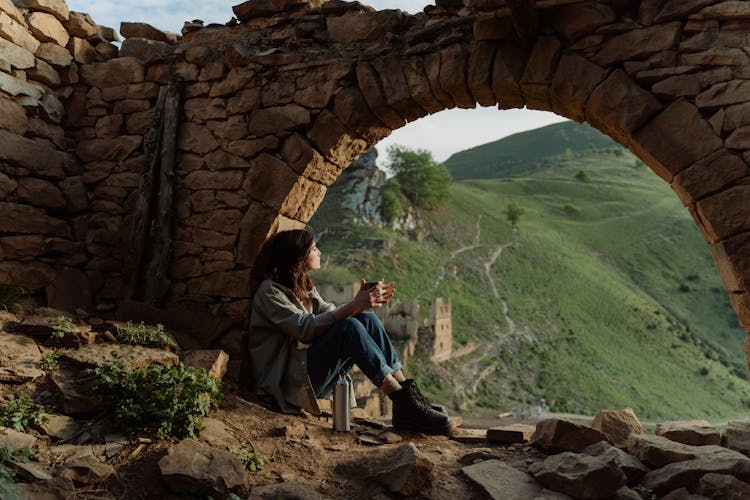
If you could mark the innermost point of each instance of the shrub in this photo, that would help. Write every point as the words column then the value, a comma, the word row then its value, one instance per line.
column 7, row 474
column 49, row 362
column 390, row 199
column 22, row 411
column 158, row 400
column 140, row 334
column 425, row 182
column 704, row 370
column 10, row 295
column 513, row 213
column 583, row 176
column 251, row 460
column 62, row 327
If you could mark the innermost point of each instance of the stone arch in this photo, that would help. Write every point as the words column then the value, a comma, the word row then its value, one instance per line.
column 665, row 79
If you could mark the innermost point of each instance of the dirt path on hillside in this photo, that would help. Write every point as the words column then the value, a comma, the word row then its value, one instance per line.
column 474, row 366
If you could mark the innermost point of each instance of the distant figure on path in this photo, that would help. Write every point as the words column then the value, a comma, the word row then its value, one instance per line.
column 299, row 343
column 523, row 414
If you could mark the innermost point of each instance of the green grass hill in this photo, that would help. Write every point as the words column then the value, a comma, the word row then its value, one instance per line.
column 605, row 295
column 524, row 152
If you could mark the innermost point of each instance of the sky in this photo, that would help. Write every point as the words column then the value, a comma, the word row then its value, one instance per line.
column 443, row 133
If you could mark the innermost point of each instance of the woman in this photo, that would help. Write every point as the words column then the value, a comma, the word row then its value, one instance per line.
column 299, row 343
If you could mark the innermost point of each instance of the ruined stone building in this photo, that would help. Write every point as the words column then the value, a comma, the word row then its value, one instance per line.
column 146, row 178
column 405, row 324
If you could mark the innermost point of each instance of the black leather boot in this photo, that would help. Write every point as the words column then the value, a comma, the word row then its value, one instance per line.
column 411, row 413
column 425, row 399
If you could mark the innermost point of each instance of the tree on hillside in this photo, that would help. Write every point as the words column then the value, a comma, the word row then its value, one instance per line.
column 513, row 213
column 424, row 181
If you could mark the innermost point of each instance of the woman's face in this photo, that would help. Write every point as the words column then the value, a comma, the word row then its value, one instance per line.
column 313, row 258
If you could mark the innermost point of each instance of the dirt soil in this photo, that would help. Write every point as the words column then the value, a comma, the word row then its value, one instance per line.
column 295, row 448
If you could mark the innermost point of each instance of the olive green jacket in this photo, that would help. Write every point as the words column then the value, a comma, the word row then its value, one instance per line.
column 281, row 329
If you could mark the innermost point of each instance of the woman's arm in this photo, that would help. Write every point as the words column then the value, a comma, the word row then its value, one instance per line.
column 298, row 323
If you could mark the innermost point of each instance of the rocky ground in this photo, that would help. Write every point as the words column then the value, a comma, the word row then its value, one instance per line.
column 82, row 453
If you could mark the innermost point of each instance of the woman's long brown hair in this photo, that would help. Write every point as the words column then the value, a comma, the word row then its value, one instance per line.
column 289, row 251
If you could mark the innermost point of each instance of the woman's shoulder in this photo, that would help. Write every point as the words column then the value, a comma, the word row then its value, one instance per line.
column 270, row 287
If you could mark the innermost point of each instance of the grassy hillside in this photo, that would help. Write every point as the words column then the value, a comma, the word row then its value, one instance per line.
column 525, row 151
column 612, row 299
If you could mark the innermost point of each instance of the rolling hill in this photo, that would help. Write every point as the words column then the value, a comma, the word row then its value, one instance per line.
column 525, row 151
column 604, row 296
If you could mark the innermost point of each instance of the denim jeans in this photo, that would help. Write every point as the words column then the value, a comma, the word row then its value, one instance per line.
column 360, row 341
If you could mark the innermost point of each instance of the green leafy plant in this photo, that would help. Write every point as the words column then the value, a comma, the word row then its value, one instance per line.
column 22, row 411
column 63, row 326
column 251, row 460
column 49, row 362
column 513, row 213
column 424, row 181
column 140, row 334
column 7, row 474
column 10, row 295
column 158, row 400
column 645, row 492
column 583, row 176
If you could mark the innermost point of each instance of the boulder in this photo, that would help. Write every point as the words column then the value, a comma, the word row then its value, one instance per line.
column 17, row 440
column 113, row 73
column 57, row 8
column 737, row 437
column 213, row 361
column 631, row 466
column 19, row 359
column 688, row 473
column 400, row 468
column 142, row 30
column 18, row 57
column 556, row 435
column 86, row 470
column 12, row 30
column 13, row 119
column 514, row 433
column 197, row 469
column 636, row 43
column 500, row 481
column 132, row 356
column 145, row 50
column 692, row 432
column 57, row 56
column 262, row 8
column 657, row 451
column 723, row 486
column 50, row 489
column 81, row 25
column 58, row 427
column 46, row 28
column 580, row 476
column 618, row 425
column 75, row 395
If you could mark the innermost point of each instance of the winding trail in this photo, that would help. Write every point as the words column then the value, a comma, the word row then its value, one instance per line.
column 475, row 369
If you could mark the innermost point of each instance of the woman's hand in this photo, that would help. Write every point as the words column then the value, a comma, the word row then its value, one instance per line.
column 374, row 296
column 369, row 296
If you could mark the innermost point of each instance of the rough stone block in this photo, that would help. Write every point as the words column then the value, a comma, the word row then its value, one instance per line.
column 113, row 73
column 574, row 21
column 15, row 32
column 732, row 259
column 580, row 476
column 619, row 106
column 692, row 432
column 55, row 55
column 145, row 50
column 57, row 8
column 510, row 61
column 676, row 138
column 82, row 51
column 718, row 170
column 453, row 66
column 636, row 43
column 13, row 117
column 277, row 119
column 46, row 28
column 395, row 87
column 540, row 67
column 213, row 361
column 81, row 25
column 726, row 214
column 479, row 72
column 516, row 433
column 500, row 481
column 574, row 81
column 26, row 153
column 142, row 30
column 557, row 435
column 618, row 425
column 17, row 56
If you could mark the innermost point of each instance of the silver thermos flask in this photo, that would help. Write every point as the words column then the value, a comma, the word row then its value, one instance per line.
column 341, row 410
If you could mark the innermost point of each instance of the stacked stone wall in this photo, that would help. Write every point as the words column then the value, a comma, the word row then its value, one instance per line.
column 281, row 99
column 44, row 190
